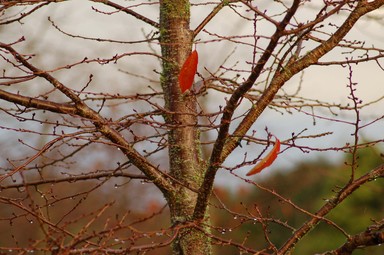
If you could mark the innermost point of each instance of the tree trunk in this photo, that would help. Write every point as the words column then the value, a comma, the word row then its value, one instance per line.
column 186, row 163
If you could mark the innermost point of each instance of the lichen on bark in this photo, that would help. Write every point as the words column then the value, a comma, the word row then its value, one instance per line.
column 185, row 161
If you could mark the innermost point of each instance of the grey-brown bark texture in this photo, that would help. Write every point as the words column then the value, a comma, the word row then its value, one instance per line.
column 187, row 185
column 186, row 164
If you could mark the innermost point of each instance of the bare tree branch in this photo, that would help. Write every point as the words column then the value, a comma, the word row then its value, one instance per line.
column 30, row 102
column 293, row 68
column 103, row 151
column 128, row 11
column 346, row 191
column 216, row 156
column 100, row 123
column 211, row 15
column 374, row 235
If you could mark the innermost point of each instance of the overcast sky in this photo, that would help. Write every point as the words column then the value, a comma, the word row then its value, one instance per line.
column 322, row 83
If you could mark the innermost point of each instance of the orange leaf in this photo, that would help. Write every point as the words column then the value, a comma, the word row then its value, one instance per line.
column 268, row 160
column 188, row 71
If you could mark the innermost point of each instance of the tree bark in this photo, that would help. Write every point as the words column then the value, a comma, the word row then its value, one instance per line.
column 185, row 160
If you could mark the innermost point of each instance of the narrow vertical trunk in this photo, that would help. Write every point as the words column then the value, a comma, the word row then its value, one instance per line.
column 186, row 164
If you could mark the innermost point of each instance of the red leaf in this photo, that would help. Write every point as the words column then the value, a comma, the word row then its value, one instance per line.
column 188, row 71
column 268, row 160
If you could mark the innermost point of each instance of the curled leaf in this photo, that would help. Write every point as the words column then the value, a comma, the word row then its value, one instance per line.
column 268, row 160
column 188, row 71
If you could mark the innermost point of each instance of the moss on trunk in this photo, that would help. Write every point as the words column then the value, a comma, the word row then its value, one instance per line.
column 186, row 164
